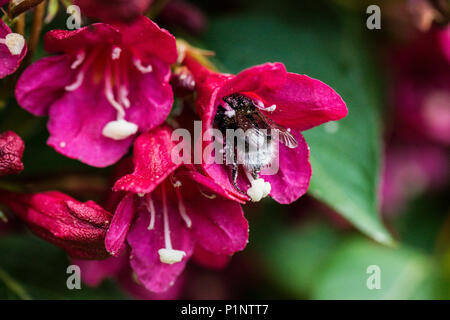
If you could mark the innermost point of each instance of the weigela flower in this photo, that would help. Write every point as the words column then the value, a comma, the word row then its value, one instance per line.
column 12, row 50
column 79, row 228
column 265, row 97
column 421, row 90
column 113, row 10
column 167, row 210
column 410, row 170
column 106, row 83
column 11, row 151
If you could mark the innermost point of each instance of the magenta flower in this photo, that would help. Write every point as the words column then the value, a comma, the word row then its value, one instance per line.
column 11, row 152
column 167, row 210
column 106, row 84
column 113, row 10
column 409, row 171
column 274, row 98
column 421, row 91
column 12, row 50
column 79, row 228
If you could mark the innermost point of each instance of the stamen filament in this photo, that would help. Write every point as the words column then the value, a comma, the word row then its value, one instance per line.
column 182, row 208
column 110, row 95
column 79, row 60
column 78, row 82
column 151, row 209
column 167, row 240
column 144, row 69
column 168, row 254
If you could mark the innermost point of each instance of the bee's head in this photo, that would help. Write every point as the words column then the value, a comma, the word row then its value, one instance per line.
column 237, row 101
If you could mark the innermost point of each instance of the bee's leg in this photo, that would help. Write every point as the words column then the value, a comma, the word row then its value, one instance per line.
column 234, row 176
column 255, row 173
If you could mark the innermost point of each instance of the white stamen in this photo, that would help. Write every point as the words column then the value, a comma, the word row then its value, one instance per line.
column 119, row 129
column 177, row 184
column 115, row 54
column 15, row 43
column 271, row 108
column 168, row 254
column 123, row 97
column 151, row 208
column 182, row 208
column 140, row 67
column 261, row 106
column 230, row 113
column 259, row 188
column 77, row 83
column 110, row 97
column 79, row 60
column 212, row 196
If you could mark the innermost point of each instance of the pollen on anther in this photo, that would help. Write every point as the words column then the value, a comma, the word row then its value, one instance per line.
column 115, row 54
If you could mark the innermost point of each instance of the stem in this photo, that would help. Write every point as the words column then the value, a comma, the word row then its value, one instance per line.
column 20, row 24
column 14, row 286
column 35, row 33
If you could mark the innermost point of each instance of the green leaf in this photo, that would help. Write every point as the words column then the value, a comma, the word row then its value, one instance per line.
column 404, row 273
column 291, row 256
column 344, row 155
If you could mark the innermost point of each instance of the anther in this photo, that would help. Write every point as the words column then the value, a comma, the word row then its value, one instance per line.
column 168, row 255
column 259, row 188
column 15, row 43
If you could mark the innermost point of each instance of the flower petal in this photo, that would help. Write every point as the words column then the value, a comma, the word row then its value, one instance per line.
column 8, row 62
column 94, row 35
column 210, row 260
column 146, row 39
column 145, row 261
column 294, row 174
column 303, row 103
column 218, row 224
column 152, row 161
column 151, row 96
column 76, row 123
column 43, row 82
column 120, row 224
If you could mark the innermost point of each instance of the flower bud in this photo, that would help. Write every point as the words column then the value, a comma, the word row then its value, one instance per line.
column 79, row 228
column 11, row 151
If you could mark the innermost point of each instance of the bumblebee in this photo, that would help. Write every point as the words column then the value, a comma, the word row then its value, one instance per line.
column 255, row 149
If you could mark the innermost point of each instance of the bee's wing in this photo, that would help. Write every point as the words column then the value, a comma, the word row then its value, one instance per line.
column 284, row 136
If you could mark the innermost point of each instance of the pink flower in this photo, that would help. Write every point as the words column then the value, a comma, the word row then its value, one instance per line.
column 106, row 84
column 79, row 228
column 167, row 210
column 409, row 171
column 12, row 50
column 113, row 10
column 421, row 89
column 287, row 102
column 11, row 151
